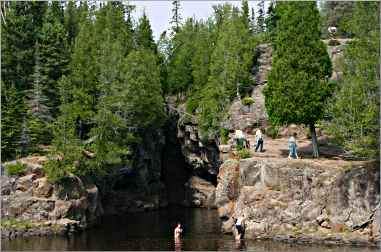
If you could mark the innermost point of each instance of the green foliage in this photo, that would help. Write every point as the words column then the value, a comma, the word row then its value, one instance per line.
column 16, row 169
column 247, row 101
column 297, row 89
column 244, row 153
column 353, row 113
column 272, row 131
column 261, row 17
column 224, row 134
column 144, row 38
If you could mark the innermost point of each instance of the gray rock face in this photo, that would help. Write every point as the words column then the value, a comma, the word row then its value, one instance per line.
column 203, row 157
column 248, row 117
column 301, row 198
column 200, row 193
column 33, row 199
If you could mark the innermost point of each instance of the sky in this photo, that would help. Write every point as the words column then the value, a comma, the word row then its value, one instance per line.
column 159, row 11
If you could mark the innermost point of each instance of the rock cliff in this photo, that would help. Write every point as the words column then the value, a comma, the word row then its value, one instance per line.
column 31, row 205
column 326, row 201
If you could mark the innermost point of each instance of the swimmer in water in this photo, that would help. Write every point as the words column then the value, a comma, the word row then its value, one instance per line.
column 178, row 231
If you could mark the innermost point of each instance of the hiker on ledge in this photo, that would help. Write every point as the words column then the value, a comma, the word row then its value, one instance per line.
column 292, row 146
column 258, row 140
column 242, row 142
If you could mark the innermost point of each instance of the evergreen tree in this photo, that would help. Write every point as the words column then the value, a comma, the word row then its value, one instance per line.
column 245, row 12
column 71, row 21
column 144, row 38
column 230, row 66
column 297, row 89
column 353, row 113
column 39, row 111
column 176, row 16
column 180, row 61
column 271, row 20
column 253, row 22
column 54, row 55
column 19, row 34
column 13, row 110
column 261, row 16
column 141, row 93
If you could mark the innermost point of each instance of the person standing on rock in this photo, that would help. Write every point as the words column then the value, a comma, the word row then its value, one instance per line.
column 292, row 146
column 240, row 138
column 258, row 140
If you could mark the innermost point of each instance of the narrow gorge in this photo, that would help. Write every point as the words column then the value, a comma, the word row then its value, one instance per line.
column 325, row 201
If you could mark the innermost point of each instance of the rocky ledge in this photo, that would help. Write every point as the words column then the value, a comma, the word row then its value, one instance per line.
column 31, row 205
column 302, row 200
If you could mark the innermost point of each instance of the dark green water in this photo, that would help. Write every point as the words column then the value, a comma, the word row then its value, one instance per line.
column 154, row 231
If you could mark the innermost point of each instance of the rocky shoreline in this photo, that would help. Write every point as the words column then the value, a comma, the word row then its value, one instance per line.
column 301, row 201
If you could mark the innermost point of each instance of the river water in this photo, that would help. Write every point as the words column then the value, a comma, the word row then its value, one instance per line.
column 154, row 231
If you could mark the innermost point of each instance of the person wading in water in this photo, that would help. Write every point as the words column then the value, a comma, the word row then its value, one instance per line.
column 178, row 232
column 239, row 225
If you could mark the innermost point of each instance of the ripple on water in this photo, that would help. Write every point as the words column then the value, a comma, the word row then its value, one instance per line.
column 154, row 231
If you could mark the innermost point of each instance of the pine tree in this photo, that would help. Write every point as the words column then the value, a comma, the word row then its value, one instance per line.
column 141, row 93
column 54, row 54
column 180, row 60
column 271, row 20
column 245, row 12
column 13, row 111
column 176, row 16
column 253, row 22
column 39, row 111
column 230, row 66
column 144, row 37
column 19, row 34
column 71, row 22
column 261, row 16
column 297, row 89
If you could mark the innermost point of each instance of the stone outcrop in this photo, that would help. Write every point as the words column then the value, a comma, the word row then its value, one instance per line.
column 301, row 200
column 47, row 208
column 247, row 117
column 200, row 192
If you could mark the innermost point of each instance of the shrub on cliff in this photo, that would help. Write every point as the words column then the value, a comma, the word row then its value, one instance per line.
column 247, row 101
column 16, row 169
column 244, row 153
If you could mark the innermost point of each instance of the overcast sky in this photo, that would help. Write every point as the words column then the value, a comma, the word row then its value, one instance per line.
column 159, row 11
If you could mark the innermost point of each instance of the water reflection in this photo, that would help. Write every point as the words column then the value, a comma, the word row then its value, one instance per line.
column 178, row 244
column 154, row 231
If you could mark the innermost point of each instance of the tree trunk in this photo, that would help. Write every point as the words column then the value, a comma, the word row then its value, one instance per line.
column 315, row 147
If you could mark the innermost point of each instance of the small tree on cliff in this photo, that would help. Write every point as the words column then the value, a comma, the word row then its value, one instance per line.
column 297, row 86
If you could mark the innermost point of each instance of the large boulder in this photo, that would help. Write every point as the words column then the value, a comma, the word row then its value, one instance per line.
column 42, row 188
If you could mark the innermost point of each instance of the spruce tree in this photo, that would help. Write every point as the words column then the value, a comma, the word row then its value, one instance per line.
column 261, row 16
column 297, row 89
column 143, row 34
column 54, row 54
column 245, row 12
column 176, row 16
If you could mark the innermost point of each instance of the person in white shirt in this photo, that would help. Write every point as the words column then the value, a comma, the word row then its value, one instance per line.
column 240, row 138
column 258, row 140
column 239, row 225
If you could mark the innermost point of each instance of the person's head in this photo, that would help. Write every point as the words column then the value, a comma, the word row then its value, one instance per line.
column 294, row 134
column 179, row 224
